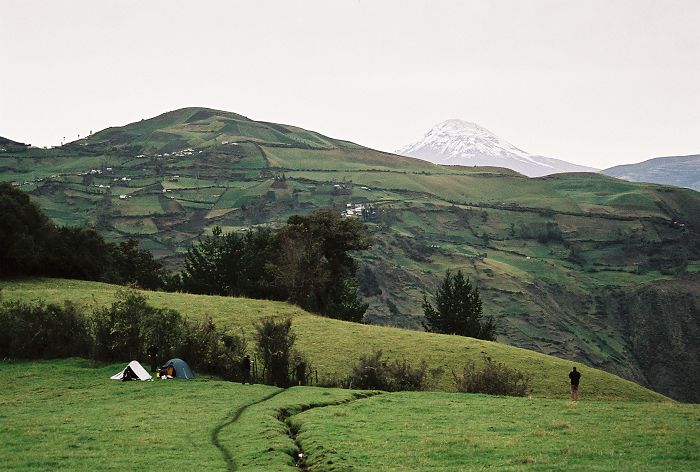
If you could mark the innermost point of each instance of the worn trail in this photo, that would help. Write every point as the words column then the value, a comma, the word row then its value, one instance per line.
column 230, row 461
column 285, row 415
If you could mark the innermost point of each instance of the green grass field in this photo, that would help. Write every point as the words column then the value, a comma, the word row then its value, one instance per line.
column 333, row 345
column 68, row 415
column 454, row 432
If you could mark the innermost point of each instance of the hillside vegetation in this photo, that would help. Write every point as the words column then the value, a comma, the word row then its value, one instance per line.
column 552, row 256
column 333, row 346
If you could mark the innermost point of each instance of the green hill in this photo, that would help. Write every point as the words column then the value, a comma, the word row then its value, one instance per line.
column 68, row 415
column 333, row 345
column 582, row 266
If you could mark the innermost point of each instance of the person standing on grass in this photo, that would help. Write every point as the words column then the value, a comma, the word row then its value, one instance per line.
column 575, row 377
column 245, row 369
column 153, row 356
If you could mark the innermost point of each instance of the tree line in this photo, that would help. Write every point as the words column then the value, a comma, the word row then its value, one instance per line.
column 305, row 261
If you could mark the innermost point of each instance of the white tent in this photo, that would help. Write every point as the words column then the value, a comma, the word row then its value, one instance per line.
column 136, row 368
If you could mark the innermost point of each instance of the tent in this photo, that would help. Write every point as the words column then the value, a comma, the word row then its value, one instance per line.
column 182, row 369
column 133, row 371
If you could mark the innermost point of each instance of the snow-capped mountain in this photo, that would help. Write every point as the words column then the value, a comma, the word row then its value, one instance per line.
column 458, row 142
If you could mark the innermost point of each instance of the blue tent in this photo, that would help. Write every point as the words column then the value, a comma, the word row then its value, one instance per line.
column 182, row 370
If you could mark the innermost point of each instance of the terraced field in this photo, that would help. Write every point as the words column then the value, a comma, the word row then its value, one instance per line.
column 558, row 259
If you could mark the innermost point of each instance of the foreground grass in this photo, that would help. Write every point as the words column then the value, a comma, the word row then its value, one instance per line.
column 333, row 345
column 454, row 432
column 69, row 415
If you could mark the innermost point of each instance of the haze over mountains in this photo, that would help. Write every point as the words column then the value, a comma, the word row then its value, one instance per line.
column 681, row 171
column 459, row 142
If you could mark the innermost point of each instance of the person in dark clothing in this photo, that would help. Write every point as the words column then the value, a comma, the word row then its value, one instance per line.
column 153, row 356
column 245, row 369
column 575, row 377
column 300, row 371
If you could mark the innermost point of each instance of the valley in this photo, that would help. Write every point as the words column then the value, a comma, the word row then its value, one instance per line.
column 580, row 266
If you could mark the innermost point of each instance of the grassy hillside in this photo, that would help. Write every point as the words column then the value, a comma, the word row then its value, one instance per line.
column 333, row 346
column 453, row 432
column 552, row 256
column 68, row 415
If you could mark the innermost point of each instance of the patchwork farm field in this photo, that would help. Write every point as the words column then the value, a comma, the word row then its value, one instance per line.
column 559, row 260
column 68, row 415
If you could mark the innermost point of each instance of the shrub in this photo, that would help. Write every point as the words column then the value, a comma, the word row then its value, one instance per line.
column 373, row 372
column 301, row 369
column 40, row 331
column 494, row 378
column 211, row 350
column 274, row 341
column 130, row 325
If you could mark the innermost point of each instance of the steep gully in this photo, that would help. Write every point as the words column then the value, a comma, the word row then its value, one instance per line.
column 284, row 415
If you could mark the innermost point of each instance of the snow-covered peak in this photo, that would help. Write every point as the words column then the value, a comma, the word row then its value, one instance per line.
column 457, row 127
column 460, row 142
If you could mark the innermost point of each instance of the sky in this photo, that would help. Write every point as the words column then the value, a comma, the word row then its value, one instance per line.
column 596, row 82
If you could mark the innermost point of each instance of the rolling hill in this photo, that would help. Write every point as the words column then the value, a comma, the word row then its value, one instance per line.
column 681, row 171
column 581, row 266
column 333, row 345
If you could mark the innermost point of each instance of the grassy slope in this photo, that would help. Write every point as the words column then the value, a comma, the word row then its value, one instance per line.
column 69, row 415
column 452, row 432
column 430, row 219
column 333, row 345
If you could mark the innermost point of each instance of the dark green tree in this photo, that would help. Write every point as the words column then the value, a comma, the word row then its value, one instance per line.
column 23, row 232
column 274, row 340
column 133, row 265
column 326, row 272
column 458, row 310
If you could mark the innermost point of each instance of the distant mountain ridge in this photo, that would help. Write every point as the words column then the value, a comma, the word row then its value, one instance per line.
column 459, row 142
column 681, row 171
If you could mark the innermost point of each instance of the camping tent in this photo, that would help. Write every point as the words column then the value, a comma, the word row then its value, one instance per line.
column 133, row 368
column 182, row 370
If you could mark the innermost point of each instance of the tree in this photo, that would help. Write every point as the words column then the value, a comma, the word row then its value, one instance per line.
column 274, row 341
column 23, row 232
column 133, row 265
column 458, row 310
column 329, row 284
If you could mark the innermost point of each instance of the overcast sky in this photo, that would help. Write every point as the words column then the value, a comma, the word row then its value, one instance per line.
column 592, row 82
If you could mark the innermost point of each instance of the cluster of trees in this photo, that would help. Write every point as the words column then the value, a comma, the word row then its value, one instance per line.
column 30, row 244
column 306, row 261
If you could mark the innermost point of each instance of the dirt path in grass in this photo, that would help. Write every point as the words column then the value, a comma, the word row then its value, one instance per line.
column 285, row 414
column 230, row 462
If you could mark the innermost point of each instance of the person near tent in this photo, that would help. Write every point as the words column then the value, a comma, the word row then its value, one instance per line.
column 575, row 377
column 300, row 371
column 153, row 356
column 245, row 369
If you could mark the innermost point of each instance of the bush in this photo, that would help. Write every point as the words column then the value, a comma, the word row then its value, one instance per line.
column 211, row 350
column 39, row 331
column 493, row 378
column 129, row 326
column 374, row 373
column 274, row 341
